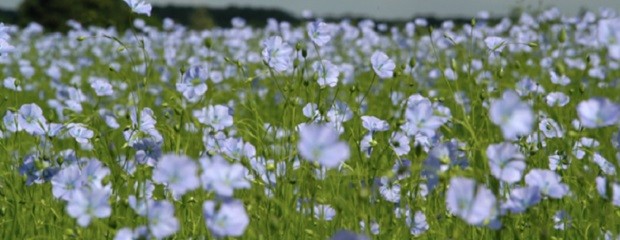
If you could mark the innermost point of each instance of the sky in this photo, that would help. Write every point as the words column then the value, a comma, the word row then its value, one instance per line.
column 390, row 9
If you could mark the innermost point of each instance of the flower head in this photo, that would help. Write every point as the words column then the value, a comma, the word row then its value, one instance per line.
column 474, row 204
column 139, row 6
column 506, row 161
column 382, row 64
column 513, row 116
column 598, row 112
column 230, row 219
column 277, row 53
column 318, row 33
column 179, row 173
column 319, row 143
column 548, row 183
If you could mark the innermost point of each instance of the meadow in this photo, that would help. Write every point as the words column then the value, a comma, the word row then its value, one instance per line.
column 330, row 130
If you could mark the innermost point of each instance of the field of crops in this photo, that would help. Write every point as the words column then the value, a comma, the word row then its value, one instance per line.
column 330, row 130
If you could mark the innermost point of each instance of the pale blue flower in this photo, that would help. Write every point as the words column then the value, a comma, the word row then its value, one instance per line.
column 550, row 128
column 417, row 223
column 218, row 117
column 548, row 183
column 327, row 73
column 79, row 132
column 367, row 144
column 374, row 227
column 277, row 54
column 382, row 64
column 562, row 220
column 222, row 177
column 30, row 118
column 390, row 191
column 605, row 166
column 12, row 84
column 421, row 119
column 193, row 83
column 10, row 122
column 347, row 235
column 178, row 173
column 319, row 143
column 474, row 204
column 94, row 172
column 101, row 86
column 237, row 149
column 598, row 112
column 89, row 203
column 562, row 80
column 507, row 163
column 324, row 212
column 161, row 220
column 141, row 232
column 148, row 151
column 514, row 117
column 230, row 219
column 139, row 6
column 374, row 124
column 400, row 143
column 522, row 198
column 495, row 44
column 67, row 182
column 318, row 33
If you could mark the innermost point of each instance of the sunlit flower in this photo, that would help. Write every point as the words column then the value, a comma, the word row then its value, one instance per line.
column 382, row 64
column 139, row 6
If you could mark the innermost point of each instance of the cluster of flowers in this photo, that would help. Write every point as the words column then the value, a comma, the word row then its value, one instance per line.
column 228, row 162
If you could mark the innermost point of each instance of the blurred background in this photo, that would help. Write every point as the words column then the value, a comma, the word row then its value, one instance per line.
column 199, row 14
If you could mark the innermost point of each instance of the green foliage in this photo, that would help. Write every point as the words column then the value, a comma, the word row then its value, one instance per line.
column 54, row 14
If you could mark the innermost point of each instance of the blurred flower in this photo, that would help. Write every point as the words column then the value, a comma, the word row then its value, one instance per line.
column 495, row 44
column 222, row 177
column 598, row 112
column 89, row 203
column 67, row 182
column 374, row 124
column 474, row 204
column 547, row 182
column 178, row 173
column 513, row 116
column 400, row 143
column 217, row 117
column 347, row 235
column 161, row 220
column 79, row 132
column 139, row 6
column 327, row 73
column 319, row 143
column 277, row 54
column 562, row 220
column 417, row 223
column 318, row 32
column 421, row 119
column 230, row 219
column 324, row 212
column 522, row 198
column 193, row 83
column 507, row 163
column 382, row 64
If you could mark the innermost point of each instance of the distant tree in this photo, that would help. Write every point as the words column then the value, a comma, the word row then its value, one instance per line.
column 54, row 14
column 201, row 19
